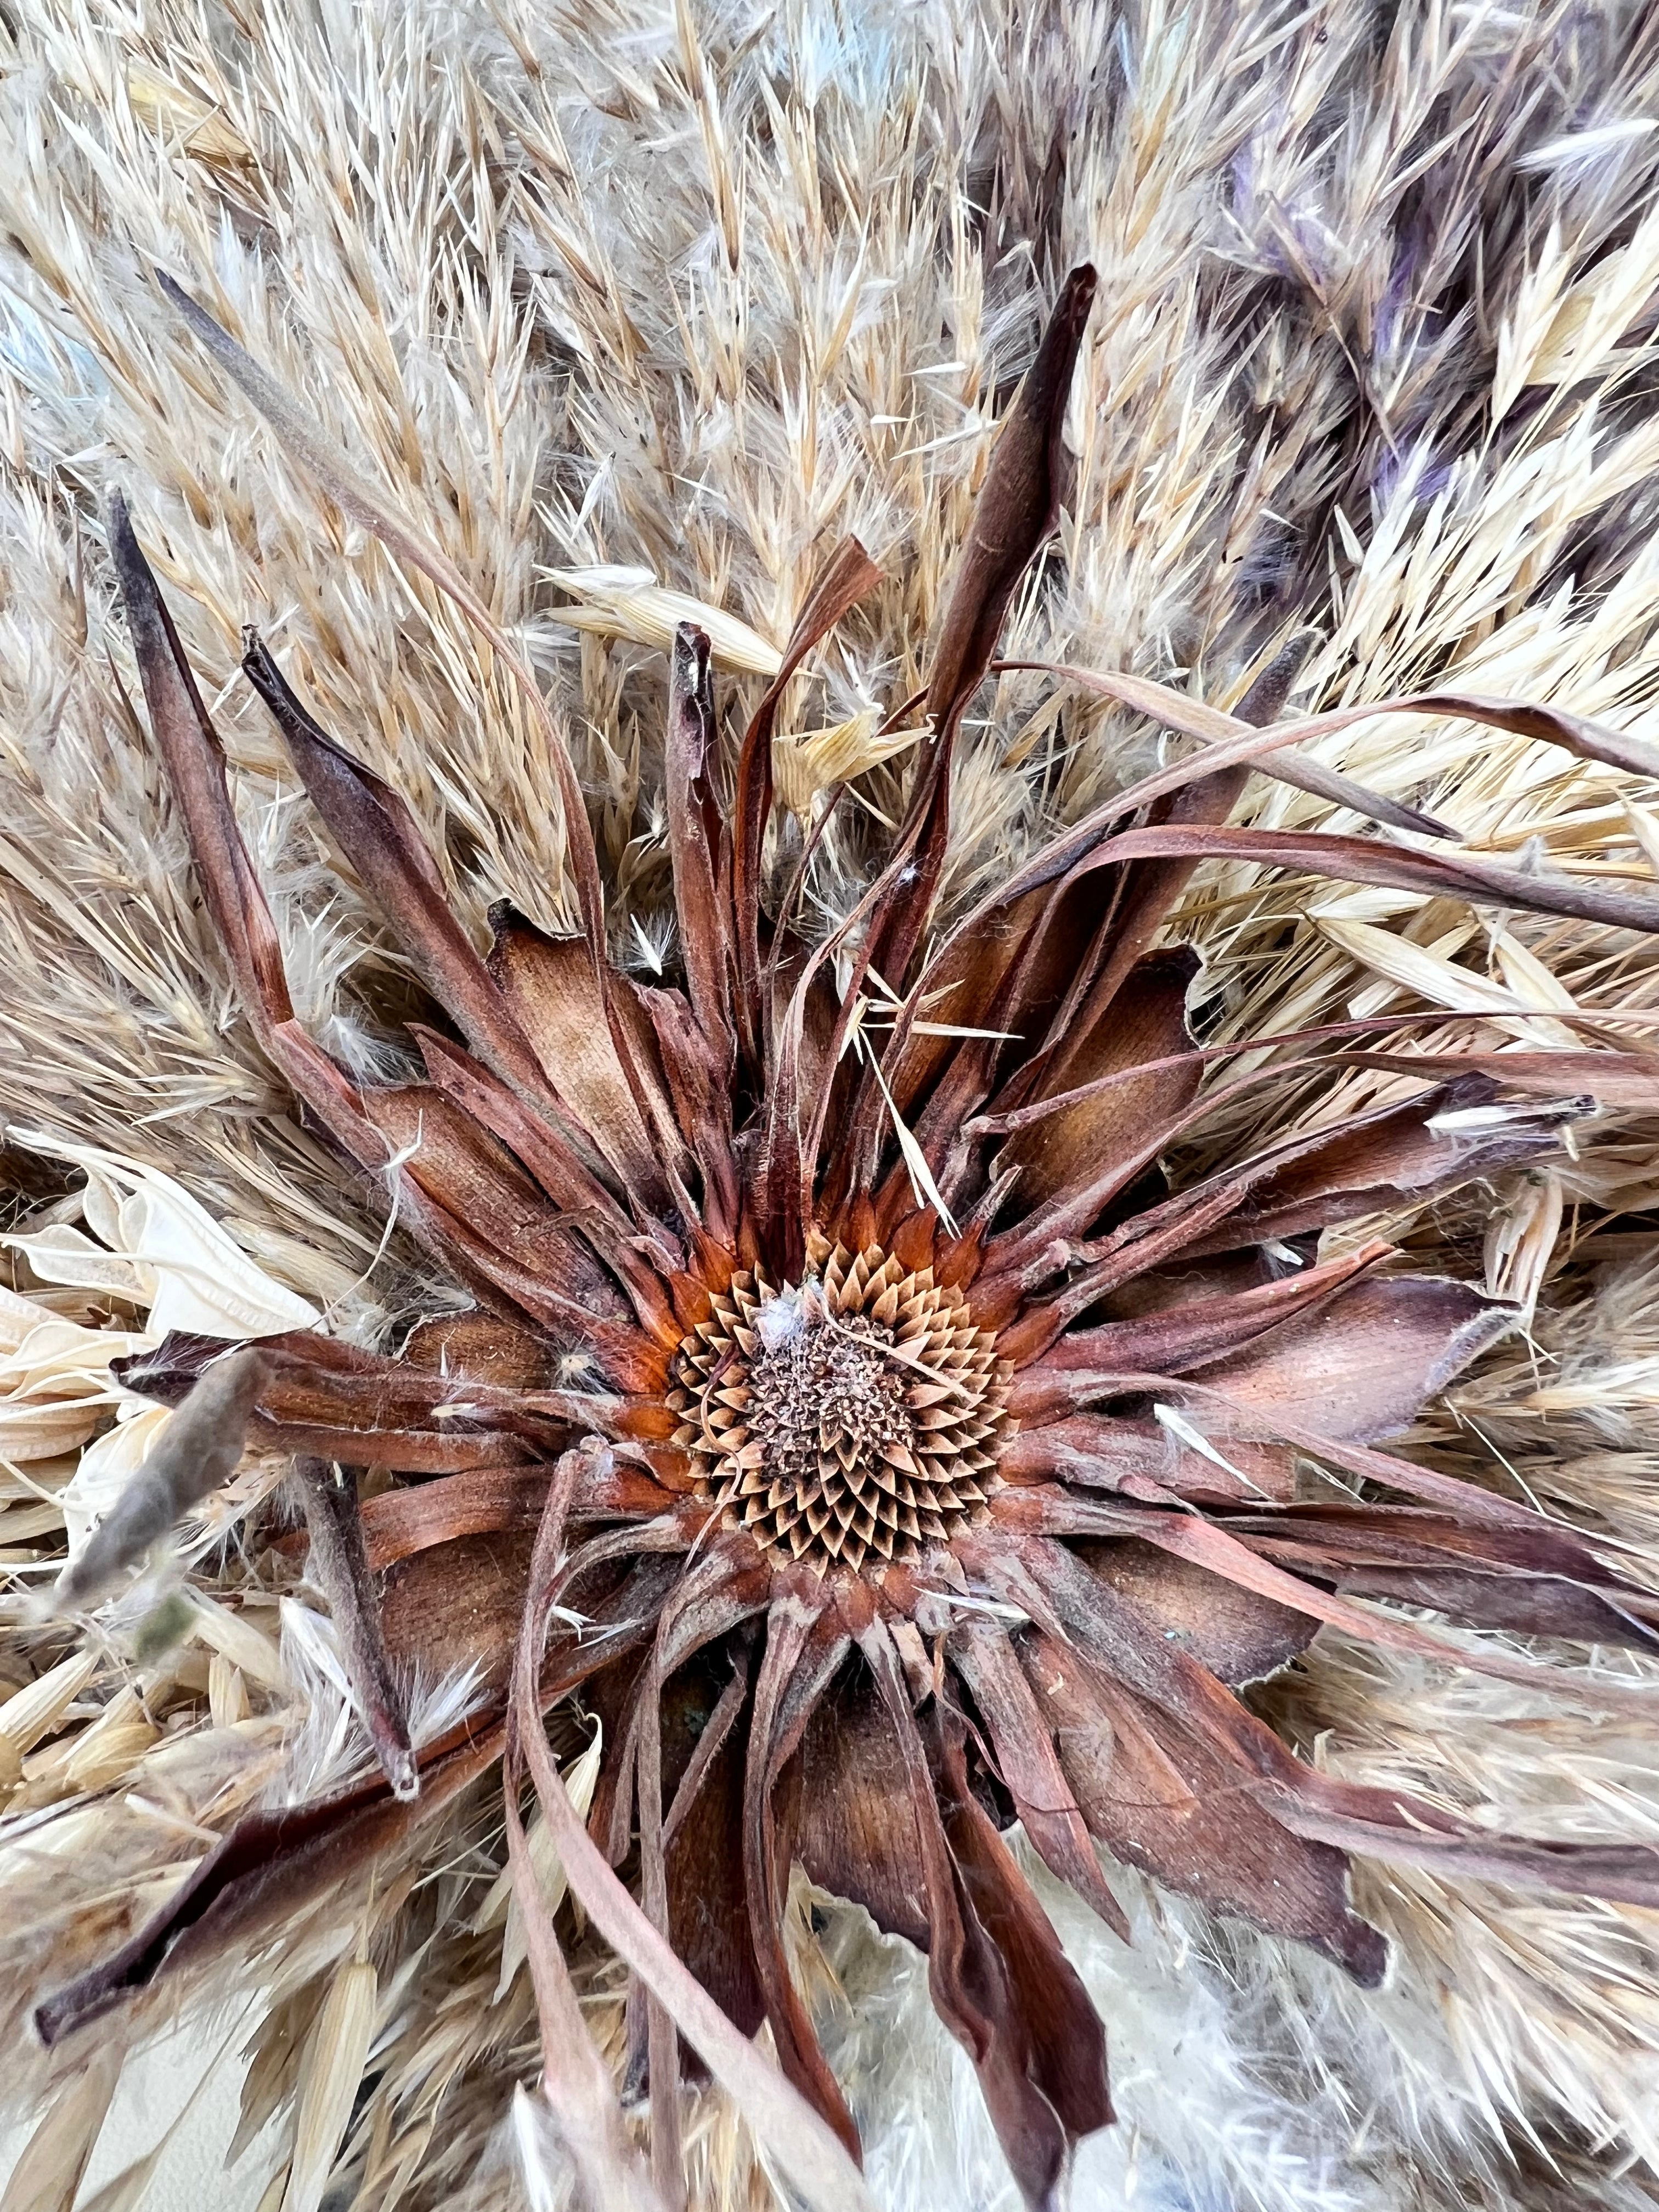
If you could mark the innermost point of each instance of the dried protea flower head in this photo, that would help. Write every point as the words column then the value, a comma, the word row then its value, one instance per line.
column 906, row 1457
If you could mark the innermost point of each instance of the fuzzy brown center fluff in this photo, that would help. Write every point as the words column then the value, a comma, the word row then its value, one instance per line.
column 854, row 1417
column 951, row 1464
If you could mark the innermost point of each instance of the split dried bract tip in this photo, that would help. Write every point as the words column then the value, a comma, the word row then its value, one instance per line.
column 339, row 1559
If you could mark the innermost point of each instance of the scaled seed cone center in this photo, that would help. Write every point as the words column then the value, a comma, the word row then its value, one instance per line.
column 855, row 1416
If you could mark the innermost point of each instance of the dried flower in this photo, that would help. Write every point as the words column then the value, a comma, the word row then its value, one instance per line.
column 944, row 1470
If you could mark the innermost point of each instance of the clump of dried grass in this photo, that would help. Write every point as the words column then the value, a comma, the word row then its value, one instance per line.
column 635, row 308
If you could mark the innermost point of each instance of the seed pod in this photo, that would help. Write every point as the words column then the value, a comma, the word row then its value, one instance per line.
column 196, row 1452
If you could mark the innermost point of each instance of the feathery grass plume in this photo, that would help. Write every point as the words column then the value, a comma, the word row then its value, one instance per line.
column 910, row 1368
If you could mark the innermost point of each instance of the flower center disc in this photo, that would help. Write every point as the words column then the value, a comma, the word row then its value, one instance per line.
column 857, row 1414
